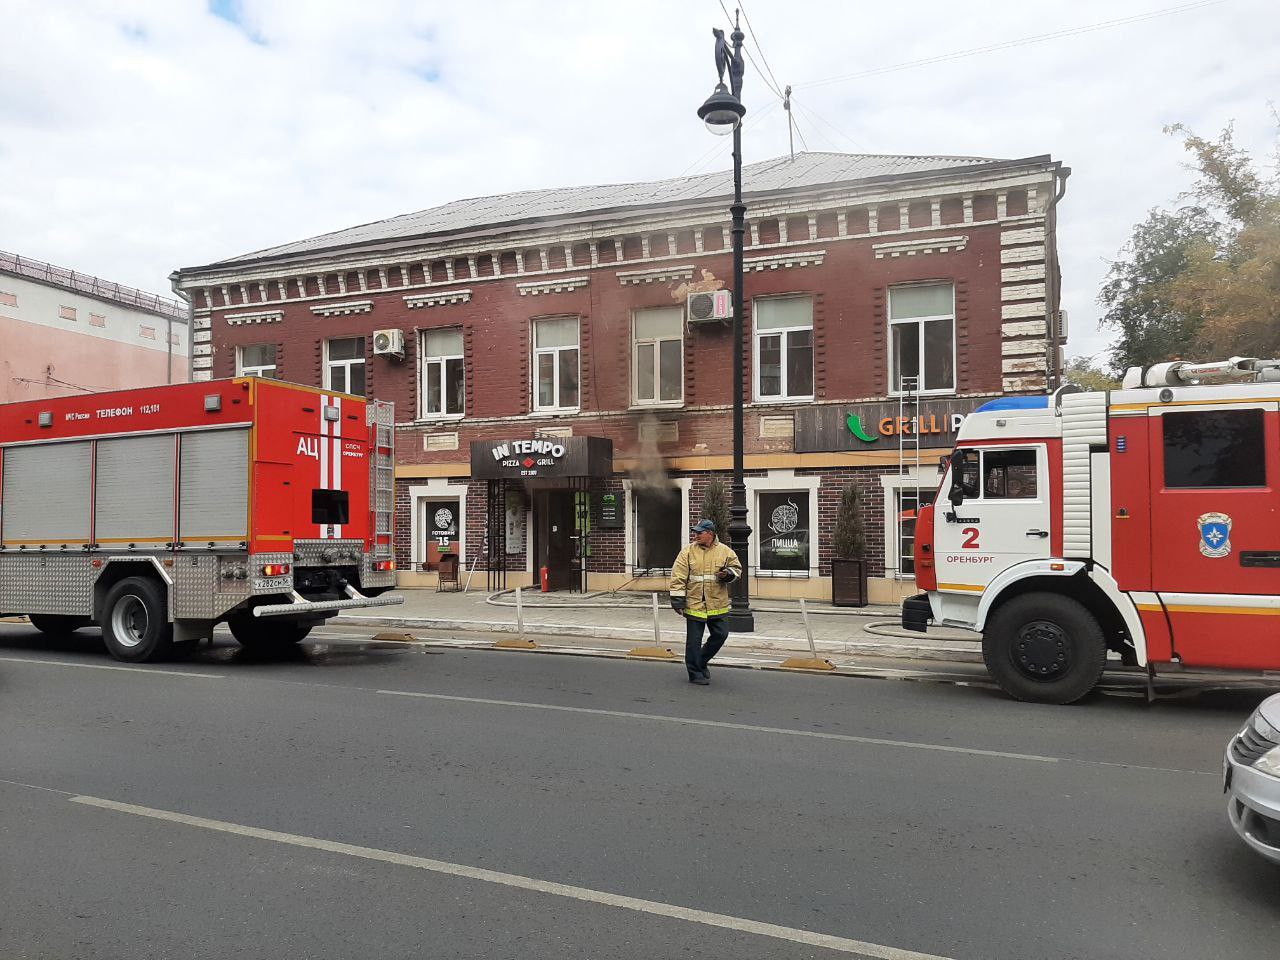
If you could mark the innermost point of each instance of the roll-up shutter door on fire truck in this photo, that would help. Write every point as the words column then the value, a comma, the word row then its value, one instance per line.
column 134, row 481
column 46, row 494
column 214, row 497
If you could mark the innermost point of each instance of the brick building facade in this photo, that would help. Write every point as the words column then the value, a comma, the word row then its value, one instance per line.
column 565, row 313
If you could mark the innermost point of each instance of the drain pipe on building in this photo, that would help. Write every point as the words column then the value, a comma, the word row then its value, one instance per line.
column 1053, row 293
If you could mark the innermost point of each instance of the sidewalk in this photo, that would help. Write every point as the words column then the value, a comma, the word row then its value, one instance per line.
column 865, row 631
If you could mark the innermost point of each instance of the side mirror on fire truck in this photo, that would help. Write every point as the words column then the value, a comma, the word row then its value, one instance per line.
column 959, row 461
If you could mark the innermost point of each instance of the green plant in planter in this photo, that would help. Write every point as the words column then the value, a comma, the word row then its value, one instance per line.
column 715, row 507
column 849, row 540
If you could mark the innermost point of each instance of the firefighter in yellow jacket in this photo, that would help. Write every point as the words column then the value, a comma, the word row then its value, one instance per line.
column 700, row 581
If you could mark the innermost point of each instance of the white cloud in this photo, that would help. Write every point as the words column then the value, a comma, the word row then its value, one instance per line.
column 141, row 135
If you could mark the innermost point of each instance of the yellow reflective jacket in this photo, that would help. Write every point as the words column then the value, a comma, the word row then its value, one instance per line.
column 694, row 578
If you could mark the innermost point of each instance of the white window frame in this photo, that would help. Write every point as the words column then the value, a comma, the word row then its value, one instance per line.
column 555, row 381
column 329, row 366
column 920, row 322
column 631, row 538
column 757, row 334
column 783, row 481
column 893, row 486
column 656, row 343
column 425, row 361
column 436, row 488
column 257, row 370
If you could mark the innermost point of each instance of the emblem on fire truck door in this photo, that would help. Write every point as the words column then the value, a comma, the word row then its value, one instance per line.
column 1215, row 534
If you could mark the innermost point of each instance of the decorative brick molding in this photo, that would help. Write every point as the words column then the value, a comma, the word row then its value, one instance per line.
column 416, row 300
column 535, row 287
column 347, row 309
column 261, row 316
column 911, row 248
column 657, row 275
column 1012, row 311
column 800, row 258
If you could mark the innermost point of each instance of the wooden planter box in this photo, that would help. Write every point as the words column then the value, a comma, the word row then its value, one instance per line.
column 849, row 583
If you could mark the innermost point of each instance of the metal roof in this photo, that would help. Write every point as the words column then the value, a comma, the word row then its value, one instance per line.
column 92, row 286
column 767, row 176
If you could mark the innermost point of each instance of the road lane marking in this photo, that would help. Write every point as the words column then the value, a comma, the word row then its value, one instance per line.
column 726, row 725
column 150, row 671
column 857, row 948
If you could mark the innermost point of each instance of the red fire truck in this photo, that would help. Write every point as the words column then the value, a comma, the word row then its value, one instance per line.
column 161, row 512
column 1144, row 521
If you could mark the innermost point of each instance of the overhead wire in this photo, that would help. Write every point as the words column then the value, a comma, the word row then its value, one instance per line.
column 1021, row 41
column 727, row 142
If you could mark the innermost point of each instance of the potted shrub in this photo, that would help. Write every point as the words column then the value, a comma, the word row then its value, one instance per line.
column 715, row 507
column 848, row 550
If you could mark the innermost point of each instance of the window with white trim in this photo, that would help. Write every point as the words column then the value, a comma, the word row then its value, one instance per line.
column 257, row 360
column 657, row 351
column 443, row 376
column 344, row 365
column 922, row 337
column 555, row 363
column 784, row 348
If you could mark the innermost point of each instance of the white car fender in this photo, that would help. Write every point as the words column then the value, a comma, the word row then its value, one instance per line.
column 1047, row 567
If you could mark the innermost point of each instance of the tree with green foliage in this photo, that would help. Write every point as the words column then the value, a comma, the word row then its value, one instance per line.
column 715, row 507
column 1084, row 373
column 1203, row 280
column 848, row 539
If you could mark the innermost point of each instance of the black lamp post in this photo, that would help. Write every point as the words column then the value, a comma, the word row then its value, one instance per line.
column 723, row 113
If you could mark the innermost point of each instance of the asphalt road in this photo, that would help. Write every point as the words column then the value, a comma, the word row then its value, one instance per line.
column 360, row 801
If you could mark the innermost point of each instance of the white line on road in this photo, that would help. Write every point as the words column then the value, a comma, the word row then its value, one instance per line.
column 856, row 948
column 724, row 724
column 151, row 671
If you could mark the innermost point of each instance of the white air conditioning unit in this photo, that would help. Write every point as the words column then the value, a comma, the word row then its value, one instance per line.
column 706, row 307
column 388, row 343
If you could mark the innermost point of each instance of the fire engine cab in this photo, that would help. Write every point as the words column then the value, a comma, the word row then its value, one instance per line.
column 1144, row 521
column 158, row 513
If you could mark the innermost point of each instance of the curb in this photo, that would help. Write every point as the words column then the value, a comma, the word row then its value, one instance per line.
column 953, row 651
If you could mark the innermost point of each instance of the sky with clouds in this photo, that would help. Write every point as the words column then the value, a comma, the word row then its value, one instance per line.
column 137, row 136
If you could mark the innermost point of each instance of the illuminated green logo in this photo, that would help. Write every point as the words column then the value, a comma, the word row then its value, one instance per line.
column 854, row 422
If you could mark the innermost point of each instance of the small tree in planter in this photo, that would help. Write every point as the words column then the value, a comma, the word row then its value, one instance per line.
column 848, row 549
column 715, row 507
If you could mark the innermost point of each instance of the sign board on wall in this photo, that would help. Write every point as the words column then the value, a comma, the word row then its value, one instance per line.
column 871, row 426
column 610, row 513
column 541, row 457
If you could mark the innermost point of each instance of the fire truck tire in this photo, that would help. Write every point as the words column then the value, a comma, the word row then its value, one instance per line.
column 135, row 621
column 258, row 634
column 57, row 625
column 1044, row 648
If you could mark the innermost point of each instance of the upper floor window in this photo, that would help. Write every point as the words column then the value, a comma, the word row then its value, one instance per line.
column 443, row 378
column 555, row 363
column 657, row 351
column 784, row 348
column 257, row 360
column 922, row 327
column 344, row 365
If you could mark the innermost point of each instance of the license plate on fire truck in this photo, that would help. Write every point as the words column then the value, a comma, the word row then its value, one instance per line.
column 272, row 583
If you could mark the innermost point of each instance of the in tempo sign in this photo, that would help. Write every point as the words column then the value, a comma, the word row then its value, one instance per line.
column 538, row 457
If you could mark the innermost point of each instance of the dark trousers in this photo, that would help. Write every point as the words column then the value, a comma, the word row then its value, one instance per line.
column 696, row 655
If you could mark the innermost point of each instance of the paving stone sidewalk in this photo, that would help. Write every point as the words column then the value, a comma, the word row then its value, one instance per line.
column 867, row 631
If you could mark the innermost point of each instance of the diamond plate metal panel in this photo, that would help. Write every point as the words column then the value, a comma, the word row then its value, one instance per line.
column 48, row 583
column 195, row 588
column 326, row 553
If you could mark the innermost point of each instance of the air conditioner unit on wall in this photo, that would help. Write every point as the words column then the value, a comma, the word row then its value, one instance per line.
column 706, row 307
column 388, row 343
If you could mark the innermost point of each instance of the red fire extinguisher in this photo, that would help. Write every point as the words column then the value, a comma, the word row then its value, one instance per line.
column 546, row 587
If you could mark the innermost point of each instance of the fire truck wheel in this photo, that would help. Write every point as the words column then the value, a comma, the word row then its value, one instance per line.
column 135, row 621
column 258, row 634
column 1044, row 648
column 57, row 625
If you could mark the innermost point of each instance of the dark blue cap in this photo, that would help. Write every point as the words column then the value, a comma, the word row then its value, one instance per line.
column 703, row 525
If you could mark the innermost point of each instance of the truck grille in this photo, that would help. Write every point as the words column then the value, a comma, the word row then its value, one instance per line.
column 1249, row 745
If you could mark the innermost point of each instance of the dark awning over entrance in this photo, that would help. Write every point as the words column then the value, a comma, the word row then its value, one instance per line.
column 541, row 457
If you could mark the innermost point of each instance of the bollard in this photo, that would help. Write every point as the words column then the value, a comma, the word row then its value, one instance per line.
column 520, row 641
column 657, row 651
column 813, row 662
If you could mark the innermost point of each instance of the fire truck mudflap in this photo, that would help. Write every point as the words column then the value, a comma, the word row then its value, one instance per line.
column 161, row 512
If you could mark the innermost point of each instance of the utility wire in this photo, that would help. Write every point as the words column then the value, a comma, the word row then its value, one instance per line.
column 813, row 115
column 768, row 82
column 1022, row 41
column 759, row 49
column 727, row 142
